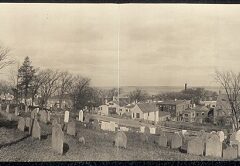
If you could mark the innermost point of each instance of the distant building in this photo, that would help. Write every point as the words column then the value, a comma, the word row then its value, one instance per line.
column 209, row 104
column 149, row 112
column 55, row 102
column 188, row 115
column 201, row 113
column 174, row 107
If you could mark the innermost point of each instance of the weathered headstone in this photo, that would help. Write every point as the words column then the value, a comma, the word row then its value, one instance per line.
column 57, row 139
column 95, row 125
column 231, row 152
column 221, row 135
column 43, row 116
column 162, row 141
column 144, row 138
column 112, row 126
column 147, row 130
column 237, row 136
column 7, row 109
column 0, row 107
column 71, row 128
column 16, row 111
column 80, row 117
column 176, row 141
column 28, row 122
column 66, row 116
column 48, row 116
column 142, row 129
column 26, row 108
column 21, row 124
column 55, row 121
column 152, row 130
column 34, row 114
column 214, row 146
column 120, row 140
column 195, row 146
column 82, row 140
column 36, row 130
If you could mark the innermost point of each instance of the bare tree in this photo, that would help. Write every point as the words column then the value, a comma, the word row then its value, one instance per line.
column 4, row 57
column 49, row 85
column 230, row 81
column 138, row 95
column 65, row 84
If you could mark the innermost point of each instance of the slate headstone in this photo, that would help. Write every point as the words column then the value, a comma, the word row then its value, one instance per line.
column 57, row 139
column 36, row 130
column 195, row 146
column 120, row 140
column 214, row 146
column 176, row 141
column 71, row 128
column 21, row 124
column 28, row 122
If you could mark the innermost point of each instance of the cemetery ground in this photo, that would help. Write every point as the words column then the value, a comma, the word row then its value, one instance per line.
column 18, row 146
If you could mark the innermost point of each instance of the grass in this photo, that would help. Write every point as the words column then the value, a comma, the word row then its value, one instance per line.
column 17, row 146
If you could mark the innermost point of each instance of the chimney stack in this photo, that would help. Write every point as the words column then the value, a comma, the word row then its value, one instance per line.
column 185, row 86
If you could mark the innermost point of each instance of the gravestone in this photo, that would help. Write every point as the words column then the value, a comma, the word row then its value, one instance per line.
column 82, row 140
column 176, row 141
column 195, row 146
column 221, row 135
column 230, row 153
column 112, row 126
column 214, row 146
column 16, row 111
column 66, row 116
column 55, row 121
column 43, row 116
column 144, row 137
column 80, row 116
column 237, row 136
column 28, row 122
column 34, row 114
column 57, row 139
column 21, row 124
column 147, row 130
column 48, row 116
column 95, row 125
column 26, row 108
column 142, row 129
column 7, row 109
column 152, row 130
column 36, row 130
column 162, row 141
column 120, row 140
column 0, row 107
column 71, row 128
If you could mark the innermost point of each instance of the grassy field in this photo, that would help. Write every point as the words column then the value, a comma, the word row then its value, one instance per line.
column 18, row 146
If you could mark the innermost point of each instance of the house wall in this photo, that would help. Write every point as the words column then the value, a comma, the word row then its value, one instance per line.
column 150, row 116
column 136, row 110
column 103, row 110
column 164, row 118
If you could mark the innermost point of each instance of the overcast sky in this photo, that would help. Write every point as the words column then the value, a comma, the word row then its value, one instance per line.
column 158, row 44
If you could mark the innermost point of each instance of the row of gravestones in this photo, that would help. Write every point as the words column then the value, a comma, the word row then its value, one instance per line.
column 7, row 109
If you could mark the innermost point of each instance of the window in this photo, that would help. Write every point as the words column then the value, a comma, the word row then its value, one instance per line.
column 197, row 114
column 186, row 115
column 133, row 115
column 137, row 115
column 148, row 113
column 120, row 109
column 202, row 113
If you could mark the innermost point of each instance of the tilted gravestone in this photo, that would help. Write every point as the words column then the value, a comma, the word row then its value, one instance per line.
column 230, row 153
column 21, row 124
column 71, row 128
column 195, row 146
column 7, row 109
column 43, row 116
column 214, row 146
column 66, row 116
column 57, row 139
column 120, row 140
column 176, row 141
column 162, row 141
column 36, row 130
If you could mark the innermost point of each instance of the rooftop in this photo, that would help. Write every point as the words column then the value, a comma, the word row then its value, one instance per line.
column 147, row 107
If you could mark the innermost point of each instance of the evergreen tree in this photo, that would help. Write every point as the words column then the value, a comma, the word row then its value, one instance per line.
column 26, row 74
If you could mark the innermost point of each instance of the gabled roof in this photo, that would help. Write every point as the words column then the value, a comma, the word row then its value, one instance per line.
column 122, row 102
column 147, row 107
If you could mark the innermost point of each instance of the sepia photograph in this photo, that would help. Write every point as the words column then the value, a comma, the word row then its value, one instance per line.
column 119, row 82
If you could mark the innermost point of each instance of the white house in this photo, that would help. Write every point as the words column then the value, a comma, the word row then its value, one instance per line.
column 148, row 112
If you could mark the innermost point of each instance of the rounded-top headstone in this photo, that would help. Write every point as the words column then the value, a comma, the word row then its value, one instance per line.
column 21, row 124
column 57, row 139
column 214, row 146
column 120, row 140
column 195, row 146
column 221, row 135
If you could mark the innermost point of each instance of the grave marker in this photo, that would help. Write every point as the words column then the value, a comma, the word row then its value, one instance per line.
column 71, row 128
column 176, row 141
column 162, row 141
column 21, row 124
column 120, row 140
column 57, row 139
column 66, row 116
column 80, row 116
column 195, row 146
column 36, row 130
column 230, row 153
column 214, row 146
column 7, row 109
